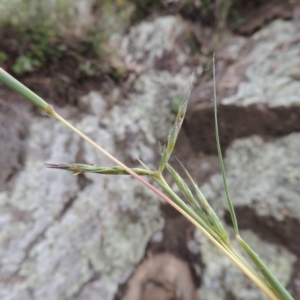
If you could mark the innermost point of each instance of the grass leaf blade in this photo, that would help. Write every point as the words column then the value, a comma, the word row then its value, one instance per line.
column 272, row 280
column 230, row 205
column 18, row 87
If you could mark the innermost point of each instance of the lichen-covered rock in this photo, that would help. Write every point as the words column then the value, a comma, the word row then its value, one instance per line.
column 258, row 88
column 64, row 239
column 159, row 44
column 147, row 114
column 263, row 176
column 272, row 73
column 12, row 137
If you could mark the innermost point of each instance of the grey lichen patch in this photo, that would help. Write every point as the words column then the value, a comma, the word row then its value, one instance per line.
column 261, row 175
column 148, row 113
column 152, row 44
column 273, row 68
column 12, row 136
column 36, row 199
column 81, row 250
column 93, row 103
column 222, row 280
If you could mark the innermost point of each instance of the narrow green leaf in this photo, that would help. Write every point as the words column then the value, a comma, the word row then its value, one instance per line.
column 187, row 193
column 281, row 292
column 230, row 205
column 202, row 222
column 18, row 87
column 215, row 221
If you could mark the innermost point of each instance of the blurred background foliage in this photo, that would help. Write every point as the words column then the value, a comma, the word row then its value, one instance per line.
column 37, row 31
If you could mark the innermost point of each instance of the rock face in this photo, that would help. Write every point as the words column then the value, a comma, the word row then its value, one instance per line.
column 264, row 175
column 67, row 237
column 272, row 74
column 14, row 134
column 159, row 44
column 258, row 87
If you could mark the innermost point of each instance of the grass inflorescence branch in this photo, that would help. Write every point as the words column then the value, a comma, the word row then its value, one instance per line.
column 83, row 168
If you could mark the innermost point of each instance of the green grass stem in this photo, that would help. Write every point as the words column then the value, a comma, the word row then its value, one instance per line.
column 272, row 280
column 229, row 201
column 16, row 86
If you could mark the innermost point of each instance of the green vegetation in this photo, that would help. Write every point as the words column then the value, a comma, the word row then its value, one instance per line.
column 37, row 27
column 46, row 31
column 54, row 29
column 3, row 57
column 145, row 7
column 38, row 43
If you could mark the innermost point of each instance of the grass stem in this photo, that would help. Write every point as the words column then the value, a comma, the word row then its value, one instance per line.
column 229, row 201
